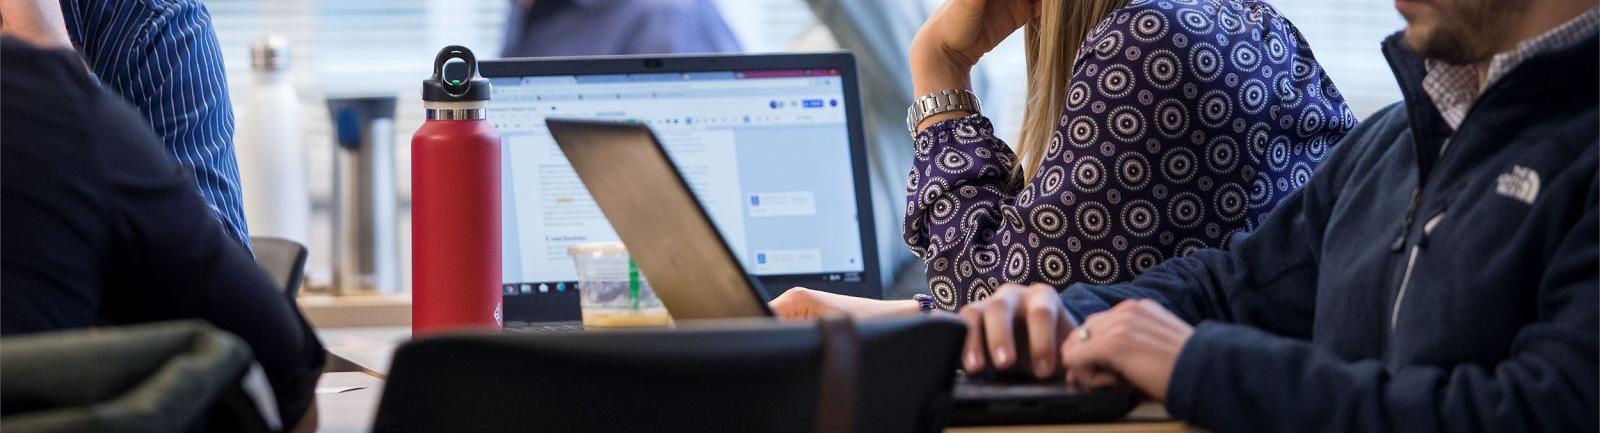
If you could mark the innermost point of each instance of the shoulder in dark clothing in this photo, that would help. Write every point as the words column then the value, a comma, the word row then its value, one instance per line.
column 53, row 195
column 102, row 228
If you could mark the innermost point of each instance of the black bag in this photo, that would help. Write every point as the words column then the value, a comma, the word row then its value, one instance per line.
column 163, row 377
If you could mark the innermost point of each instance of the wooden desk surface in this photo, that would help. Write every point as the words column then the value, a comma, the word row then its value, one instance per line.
column 371, row 348
column 1147, row 418
column 349, row 411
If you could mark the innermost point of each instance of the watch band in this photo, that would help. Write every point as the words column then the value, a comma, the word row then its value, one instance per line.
column 924, row 303
column 939, row 101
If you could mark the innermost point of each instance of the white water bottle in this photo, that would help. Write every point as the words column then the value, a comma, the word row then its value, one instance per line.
column 271, row 150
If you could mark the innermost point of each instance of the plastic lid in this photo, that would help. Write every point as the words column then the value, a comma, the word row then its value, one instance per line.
column 472, row 88
column 598, row 249
column 270, row 53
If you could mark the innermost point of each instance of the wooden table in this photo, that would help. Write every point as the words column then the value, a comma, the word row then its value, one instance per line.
column 1147, row 418
column 348, row 410
column 371, row 348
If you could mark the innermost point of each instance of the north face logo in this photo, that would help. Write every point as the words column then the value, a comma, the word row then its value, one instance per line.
column 1521, row 183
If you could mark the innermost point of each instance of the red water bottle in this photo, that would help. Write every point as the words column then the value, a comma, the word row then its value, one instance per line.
column 455, row 204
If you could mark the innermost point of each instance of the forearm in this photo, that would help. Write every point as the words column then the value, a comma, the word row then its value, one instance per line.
column 199, row 272
column 242, row 300
column 1231, row 378
column 892, row 308
column 932, row 70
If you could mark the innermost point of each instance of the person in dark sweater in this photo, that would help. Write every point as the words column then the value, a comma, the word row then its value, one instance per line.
column 1439, row 272
column 101, row 228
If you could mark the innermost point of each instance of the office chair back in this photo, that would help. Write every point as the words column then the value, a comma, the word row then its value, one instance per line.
column 749, row 376
column 283, row 260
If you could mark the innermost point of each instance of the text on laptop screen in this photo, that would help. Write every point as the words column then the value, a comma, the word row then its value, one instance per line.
column 766, row 152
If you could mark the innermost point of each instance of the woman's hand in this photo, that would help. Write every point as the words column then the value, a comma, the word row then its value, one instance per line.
column 803, row 303
column 961, row 31
column 991, row 322
column 1137, row 341
column 952, row 40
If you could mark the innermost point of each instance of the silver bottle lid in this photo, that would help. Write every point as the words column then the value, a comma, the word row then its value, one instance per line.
column 269, row 53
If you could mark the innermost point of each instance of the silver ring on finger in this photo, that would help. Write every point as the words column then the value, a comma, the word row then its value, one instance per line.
column 1082, row 333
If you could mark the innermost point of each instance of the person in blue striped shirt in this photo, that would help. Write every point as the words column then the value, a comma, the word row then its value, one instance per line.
column 162, row 56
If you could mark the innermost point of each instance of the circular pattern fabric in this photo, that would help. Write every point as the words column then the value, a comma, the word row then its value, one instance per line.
column 1184, row 122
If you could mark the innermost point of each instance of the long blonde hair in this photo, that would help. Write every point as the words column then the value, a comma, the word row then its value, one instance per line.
column 1052, row 42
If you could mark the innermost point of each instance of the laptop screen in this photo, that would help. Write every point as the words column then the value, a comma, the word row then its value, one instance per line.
column 766, row 152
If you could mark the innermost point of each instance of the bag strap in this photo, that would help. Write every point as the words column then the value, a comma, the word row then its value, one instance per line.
column 841, row 354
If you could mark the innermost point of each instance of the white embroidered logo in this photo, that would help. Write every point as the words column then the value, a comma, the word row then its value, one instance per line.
column 1521, row 183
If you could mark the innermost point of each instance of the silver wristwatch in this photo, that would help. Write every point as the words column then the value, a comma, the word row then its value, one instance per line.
column 939, row 101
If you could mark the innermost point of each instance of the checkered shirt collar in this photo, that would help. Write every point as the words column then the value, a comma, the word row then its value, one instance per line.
column 1454, row 88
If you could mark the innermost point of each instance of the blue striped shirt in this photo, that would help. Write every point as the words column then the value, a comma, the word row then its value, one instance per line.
column 162, row 56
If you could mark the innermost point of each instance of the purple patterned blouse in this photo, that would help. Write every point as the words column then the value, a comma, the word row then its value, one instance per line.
column 1184, row 123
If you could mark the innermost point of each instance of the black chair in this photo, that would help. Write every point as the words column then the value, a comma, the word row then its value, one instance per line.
column 877, row 376
column 283, row 260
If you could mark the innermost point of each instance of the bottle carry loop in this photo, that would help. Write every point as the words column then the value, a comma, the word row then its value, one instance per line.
column 457, row 88
column 463, row 98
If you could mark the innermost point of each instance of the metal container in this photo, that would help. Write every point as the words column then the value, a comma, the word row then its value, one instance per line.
column 366, row 256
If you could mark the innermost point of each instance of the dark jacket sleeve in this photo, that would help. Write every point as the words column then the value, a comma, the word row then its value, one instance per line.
column 1266, row 278
column 1291, row 385
column 172, row 260
column 1261, row 374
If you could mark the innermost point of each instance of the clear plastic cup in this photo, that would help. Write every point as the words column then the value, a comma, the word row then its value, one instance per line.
column 613, row 293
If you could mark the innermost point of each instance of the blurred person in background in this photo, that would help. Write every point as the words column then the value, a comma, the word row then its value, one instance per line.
column 543, row 28
column 162, row 56
column 1152, row 130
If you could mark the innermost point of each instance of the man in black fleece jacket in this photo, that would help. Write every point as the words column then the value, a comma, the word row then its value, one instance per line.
column 1440, row 272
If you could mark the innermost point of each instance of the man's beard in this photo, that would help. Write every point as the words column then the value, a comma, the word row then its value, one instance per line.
column 1468, row 31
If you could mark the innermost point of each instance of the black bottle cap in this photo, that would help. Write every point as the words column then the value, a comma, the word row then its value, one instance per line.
column 439, row 89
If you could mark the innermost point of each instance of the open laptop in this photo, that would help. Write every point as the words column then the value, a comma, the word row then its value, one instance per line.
column 772, row 145
column 672, row 237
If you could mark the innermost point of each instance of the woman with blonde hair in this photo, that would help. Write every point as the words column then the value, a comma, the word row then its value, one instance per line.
column 1153, row 128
